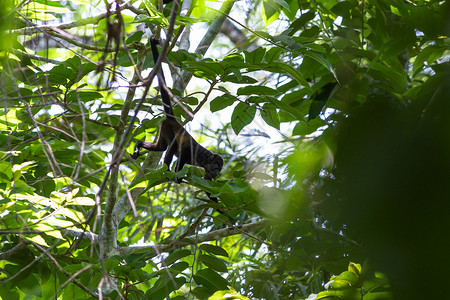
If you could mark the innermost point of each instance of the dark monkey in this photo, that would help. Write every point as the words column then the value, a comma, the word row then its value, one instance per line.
column 175, row 139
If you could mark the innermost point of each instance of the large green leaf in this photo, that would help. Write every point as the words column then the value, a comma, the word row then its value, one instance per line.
column 213, row 262
column 222, row 102
column 243, row 115
column 210, row 279
column 257, row 90
column 270, row 115
column 255, row 57
column 207, row 68
column 163, row 290
column 176, row 256
column 214, row 249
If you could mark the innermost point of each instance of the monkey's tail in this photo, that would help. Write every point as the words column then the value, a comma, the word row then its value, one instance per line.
column 161, row 80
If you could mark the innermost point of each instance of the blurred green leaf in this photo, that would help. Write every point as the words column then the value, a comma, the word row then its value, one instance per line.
column 213, row 262
column 214, row 249
column 210, row 279
column 257, row 90
column 176, row 256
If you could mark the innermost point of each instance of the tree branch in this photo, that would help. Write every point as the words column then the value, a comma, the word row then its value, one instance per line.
column 198, row 238
column 237, row 37
column 86, row 235
column 7, row 254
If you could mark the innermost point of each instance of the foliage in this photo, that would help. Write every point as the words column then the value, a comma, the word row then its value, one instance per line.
column 332, row 118
column 355, row 284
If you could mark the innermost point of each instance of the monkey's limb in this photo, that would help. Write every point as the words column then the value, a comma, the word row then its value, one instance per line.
column 158, row 146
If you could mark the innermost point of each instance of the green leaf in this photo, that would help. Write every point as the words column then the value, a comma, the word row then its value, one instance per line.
column 273, row 54
column 302, row 128
column 284, row 68
column 241, row 80
column 162, row 291
column 213, row 262
column 201, row 207
column 30, row 285
column 111, row 264
column 176, row 256
column 152, row 178
column 53, row 4
column 38, row 240
column 53, row 221
column 206, row 68
column 85, row 201
column 291, row 110
column 156, row 17
column 234, row 61
column 320, row 98
column 315, row 109
column 84, row 96
column 257, row 90
column 227, row 294
column 343, row 8
column 214, row 249
column 202, row 292
column 261, row 99
column 237, row 186
column 321, row 60
column 285, row 39
column 181, row 56
column 6, row 172
column 271, row 10
column 70, row 71
column 355, row 268
column 189, row 170
column 300, row 22
column 429, row 54
column 370, row 285
column 243, row 115
column 395, row 77
column 270, row 115
column 255, row 57
column 135, row 37
column 262, row 176
column 345, row 279
column 179, row 266
column 211, row 279
column 292, row 9
column 222, row 102
column 237, row 73
column 204, row 281
column 60, row 75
